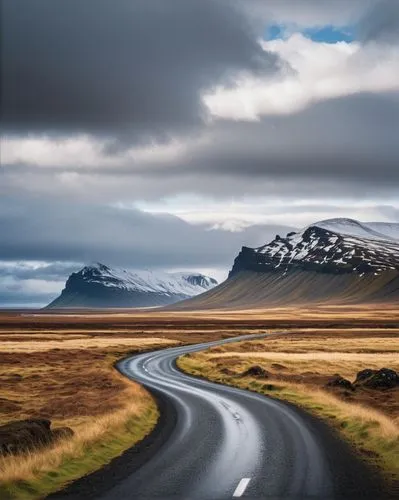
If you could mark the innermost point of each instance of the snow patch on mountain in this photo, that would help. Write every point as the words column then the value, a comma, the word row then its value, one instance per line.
column 332, row 246
column 368, row 230
column 146, row 281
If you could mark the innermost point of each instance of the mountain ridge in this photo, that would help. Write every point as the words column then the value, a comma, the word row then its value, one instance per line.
column 336, row 261
column 98, row 285
column 317, row 248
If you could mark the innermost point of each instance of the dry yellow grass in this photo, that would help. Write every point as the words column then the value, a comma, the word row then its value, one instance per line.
column 321, row 351
column 65, row 383
column 59, row 366
column 326, row 363
column 333, row 340
column 62, row 372
column 89, row 432
column 64, row 380
column 357, row 314
column 299, row 365
column 82, row 343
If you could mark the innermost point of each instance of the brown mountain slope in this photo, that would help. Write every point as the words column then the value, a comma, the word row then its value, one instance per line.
column 337, row 262
column 251, row 289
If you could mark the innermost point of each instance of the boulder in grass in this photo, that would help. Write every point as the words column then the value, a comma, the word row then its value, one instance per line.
column 256, row 371
column 25, row 435
column 363, row 375
column 383, row 379
column 340, row 382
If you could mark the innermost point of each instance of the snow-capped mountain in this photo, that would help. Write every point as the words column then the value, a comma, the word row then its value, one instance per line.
column 368, row 230
column 98, row 285
column 337, row 261
column 332, row 246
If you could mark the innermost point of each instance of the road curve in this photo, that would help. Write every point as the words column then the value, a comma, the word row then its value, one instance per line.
column 229, row 443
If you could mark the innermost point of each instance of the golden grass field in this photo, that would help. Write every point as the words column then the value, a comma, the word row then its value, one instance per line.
column 63, row 370
column 60, row 366
column 300, row 362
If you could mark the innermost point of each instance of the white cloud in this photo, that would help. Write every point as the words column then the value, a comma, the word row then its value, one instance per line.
column 86, row 151
column 238, row 214
column 319, row 71
column 46, row 151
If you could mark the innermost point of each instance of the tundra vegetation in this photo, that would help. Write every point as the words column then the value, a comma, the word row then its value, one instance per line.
column 60, row 367
column 318, row 369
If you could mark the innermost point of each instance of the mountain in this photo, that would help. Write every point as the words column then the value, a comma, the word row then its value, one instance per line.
column 368, row 230
column 336, row 246
column 98, row 285
column 332, row 261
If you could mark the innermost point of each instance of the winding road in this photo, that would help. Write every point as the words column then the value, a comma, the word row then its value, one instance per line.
column 226, row 443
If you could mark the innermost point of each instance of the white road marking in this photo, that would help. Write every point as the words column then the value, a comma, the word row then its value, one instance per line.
column 242, row 486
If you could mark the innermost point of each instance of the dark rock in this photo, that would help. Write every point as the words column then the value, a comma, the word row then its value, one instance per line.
column 256, row 371
column 322, row 250
column 25, row 435
column 364, row 375
column 338, row 381
column 382, row 379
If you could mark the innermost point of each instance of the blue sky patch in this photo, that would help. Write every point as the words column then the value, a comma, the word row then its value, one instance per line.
column 330, row 34
column 322, row 34
column 275, row 32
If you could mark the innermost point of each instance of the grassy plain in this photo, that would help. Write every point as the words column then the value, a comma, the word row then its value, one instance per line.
column 60, row 366
column 298, row 364
column 62, row 370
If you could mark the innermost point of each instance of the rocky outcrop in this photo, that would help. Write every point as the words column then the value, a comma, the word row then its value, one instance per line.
column 256, row 371
column 25, row 435
column 320, row 250
column 340, row 382
column 364, row 375
column 378, row 379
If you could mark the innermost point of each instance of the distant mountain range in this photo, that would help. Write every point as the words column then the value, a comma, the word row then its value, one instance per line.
column 98, row 286
column 337, row 261
column 334, row 261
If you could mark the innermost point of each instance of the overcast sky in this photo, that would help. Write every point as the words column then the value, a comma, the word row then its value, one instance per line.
column 167, row 134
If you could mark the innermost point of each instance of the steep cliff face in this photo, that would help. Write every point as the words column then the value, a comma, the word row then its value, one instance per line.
column 318, row 248
column 98, row 285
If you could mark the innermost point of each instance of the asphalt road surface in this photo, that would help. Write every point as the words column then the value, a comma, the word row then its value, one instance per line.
column 223, row 443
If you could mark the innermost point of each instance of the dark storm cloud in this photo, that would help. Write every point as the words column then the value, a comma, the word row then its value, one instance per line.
column 55, row 230
column 49, row 272
column 381, row 23
column 347, row 145
column 308, row 12
column 18, row 297
column 126, row 67
column 22, row 284
column 353, row 139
